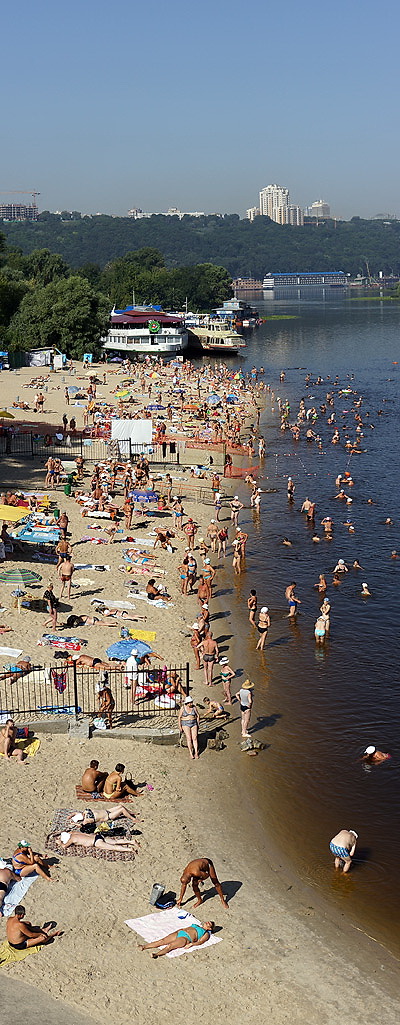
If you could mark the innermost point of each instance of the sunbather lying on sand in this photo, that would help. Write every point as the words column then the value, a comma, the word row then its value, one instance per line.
column 192, row 936
column 99, row 840
column 7, row 878
column 90, row 815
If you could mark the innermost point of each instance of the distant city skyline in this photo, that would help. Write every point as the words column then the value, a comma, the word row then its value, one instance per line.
column 119, row 106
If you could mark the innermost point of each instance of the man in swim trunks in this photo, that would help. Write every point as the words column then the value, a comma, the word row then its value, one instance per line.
column 65, row 571
column 93, row 779
column 22, row 935
column 343, row 846
column 195, row 871
column 209, row 653
column 192, row 936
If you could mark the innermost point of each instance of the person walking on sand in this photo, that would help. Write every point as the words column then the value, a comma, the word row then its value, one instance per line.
column 188, row 723
column 195, row 872
column 227, row 675
column 65, row 571
column 192, row 936
column 209, row 653
column 264, row 623
column 195, row 642
column 236, row 506
column 52, row 605
column 343, row 846
column 245, row 697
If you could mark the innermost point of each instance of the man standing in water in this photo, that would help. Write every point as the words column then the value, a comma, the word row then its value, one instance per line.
column 343, row 846
column 291, row 599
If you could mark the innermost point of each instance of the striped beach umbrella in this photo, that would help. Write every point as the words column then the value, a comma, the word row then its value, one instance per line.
column 19, row 577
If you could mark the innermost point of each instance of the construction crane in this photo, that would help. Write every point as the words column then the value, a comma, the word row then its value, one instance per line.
column 21, row 192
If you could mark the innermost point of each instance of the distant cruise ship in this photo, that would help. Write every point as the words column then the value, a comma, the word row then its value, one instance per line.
column 309, row 279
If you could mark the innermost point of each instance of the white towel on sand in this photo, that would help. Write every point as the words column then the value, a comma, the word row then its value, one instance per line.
column 157, row 602
column 16, row 893
column 154, row 927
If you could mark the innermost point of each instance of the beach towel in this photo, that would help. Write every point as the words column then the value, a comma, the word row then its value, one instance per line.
column 8, row 955
column 95, row 540
column 16, row 894
column 142, row 635
column 144, row 541
column 44, row 557
column 13, row 653
column 59, row 709
column 154, row 927
column 82, row 795
column 60, row 821
column 29, row 747
column 158, row 603
column 124, row 605
column 58, row 641
column 91, row 565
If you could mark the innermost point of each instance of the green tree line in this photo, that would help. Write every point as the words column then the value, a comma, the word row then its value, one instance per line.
column 244, row 248
column 45, row 302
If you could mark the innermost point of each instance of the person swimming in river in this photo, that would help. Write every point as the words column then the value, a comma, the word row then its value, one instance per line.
column 374, row 757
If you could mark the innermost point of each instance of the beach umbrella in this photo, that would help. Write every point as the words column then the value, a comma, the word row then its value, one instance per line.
column 72, row 390
column 122, row 649
column 4, row 415
column 19, row 577
column 156, row 406
column 13, row 513
column 213, row 400
column 232, row 399
column 143, row 496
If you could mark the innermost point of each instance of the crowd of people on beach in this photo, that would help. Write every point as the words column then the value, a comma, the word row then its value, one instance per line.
column 118, row 489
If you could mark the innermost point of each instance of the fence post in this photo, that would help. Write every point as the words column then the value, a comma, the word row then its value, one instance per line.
column 32, row 452
column 187, row 679
column 75, row 676
column 81, row 445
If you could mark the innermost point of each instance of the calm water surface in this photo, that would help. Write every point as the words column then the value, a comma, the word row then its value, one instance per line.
column 318, row 708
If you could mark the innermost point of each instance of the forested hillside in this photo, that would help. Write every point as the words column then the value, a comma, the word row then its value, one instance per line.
column 242, row 247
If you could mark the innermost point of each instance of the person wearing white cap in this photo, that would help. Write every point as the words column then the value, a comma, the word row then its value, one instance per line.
column 373, row 757
column 343, row 846
column 131, row 673
column 236, row 506
column 227, row 675
column 217, row 504
column 365, row 593
column 264, row 623
column 291, row 487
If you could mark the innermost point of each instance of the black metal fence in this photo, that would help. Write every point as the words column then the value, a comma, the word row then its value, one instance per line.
column 28, row 445
column 63, row 689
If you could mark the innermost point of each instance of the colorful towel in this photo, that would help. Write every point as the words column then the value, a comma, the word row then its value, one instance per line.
column 142, row 635
column 83, row 796
column 8, row 955
column 16, row 894
column 58, row 641
column 29, row 747
column 154, row 927
column 60, row 821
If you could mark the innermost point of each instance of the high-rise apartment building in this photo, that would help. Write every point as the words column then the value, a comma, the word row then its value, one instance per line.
column 319, row 209
column 252, row 212
column 274, row 199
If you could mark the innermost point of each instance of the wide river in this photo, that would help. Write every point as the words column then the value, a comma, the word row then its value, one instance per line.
column 318, row 708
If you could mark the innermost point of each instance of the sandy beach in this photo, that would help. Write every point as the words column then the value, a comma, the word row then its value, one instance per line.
column 283, row 954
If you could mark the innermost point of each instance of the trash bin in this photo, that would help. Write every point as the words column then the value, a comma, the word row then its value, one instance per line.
column 56, row 514
column 67, row 489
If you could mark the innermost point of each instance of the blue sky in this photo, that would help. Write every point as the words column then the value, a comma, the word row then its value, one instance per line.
column 115, row 105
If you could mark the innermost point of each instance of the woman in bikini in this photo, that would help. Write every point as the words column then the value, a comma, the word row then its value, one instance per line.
column 192, row 936
column 98, row 840
column 25, row 862
column 188, row 723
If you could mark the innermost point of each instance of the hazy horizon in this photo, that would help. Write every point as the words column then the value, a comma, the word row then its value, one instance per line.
column 112, row 107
